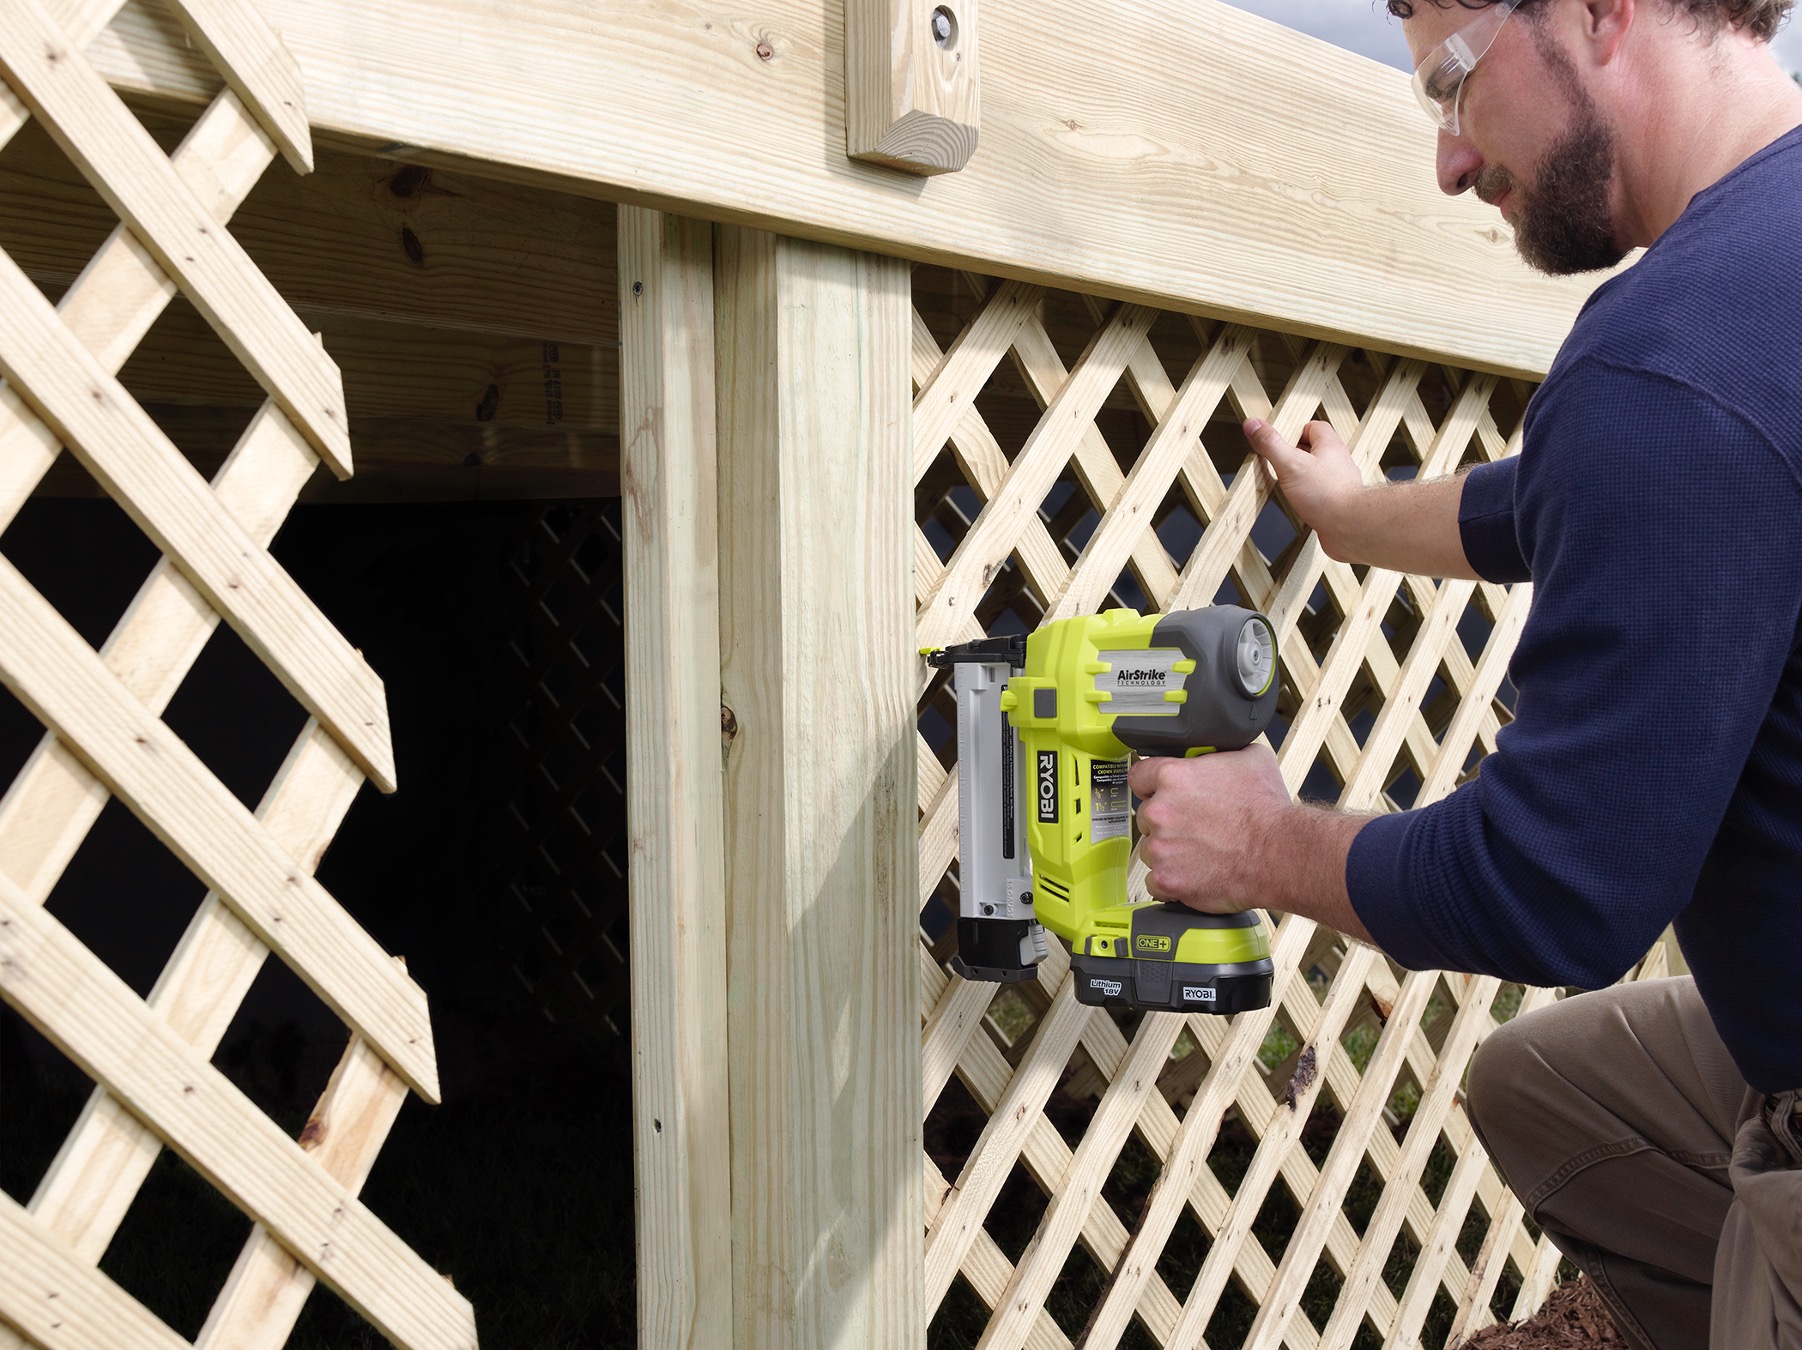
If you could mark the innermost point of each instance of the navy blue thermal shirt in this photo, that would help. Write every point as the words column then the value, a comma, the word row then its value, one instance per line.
column 1651, row 773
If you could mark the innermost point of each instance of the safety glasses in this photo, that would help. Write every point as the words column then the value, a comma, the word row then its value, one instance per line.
column 1441, row 78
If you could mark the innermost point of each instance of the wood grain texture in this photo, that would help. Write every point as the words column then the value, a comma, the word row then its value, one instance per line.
column 60, row 1301
column 675, row 814
column 85, row 1193
column 813, row 351
column 126, row 452
column 121, row 289
column 117, row 155
column 58, row 676
column 53, row 803
column 83, row 21
column 913, row 97
column 95, row 1019
column 1128, row 174
column 257, row 67
column 361, row 236
column 264, row 1294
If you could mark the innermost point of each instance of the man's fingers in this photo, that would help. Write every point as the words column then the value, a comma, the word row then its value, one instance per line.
column 1270, row 446
column 1143, row 777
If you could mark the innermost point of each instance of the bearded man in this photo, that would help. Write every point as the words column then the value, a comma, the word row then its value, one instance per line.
column 1651, row 773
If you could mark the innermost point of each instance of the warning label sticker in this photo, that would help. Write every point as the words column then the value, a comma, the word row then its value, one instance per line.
column 1137, row 680
column 1110, row 804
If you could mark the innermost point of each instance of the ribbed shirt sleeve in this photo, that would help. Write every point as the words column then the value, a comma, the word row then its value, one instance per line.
column 1659, row 525
column 1487, row 522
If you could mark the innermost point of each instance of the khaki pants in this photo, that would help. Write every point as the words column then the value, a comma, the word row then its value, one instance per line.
column 1620, row 1120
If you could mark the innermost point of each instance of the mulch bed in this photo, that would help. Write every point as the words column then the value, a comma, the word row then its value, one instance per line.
column 1573, row 1318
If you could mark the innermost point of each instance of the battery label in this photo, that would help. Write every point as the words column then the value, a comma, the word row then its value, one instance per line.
column 1137, row 680
column 1109, row 800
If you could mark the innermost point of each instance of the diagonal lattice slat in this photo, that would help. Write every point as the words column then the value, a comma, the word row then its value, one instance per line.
column 1051, row 485
column 102, row 710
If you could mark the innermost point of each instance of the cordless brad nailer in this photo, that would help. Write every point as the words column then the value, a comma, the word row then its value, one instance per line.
column 1046, row 723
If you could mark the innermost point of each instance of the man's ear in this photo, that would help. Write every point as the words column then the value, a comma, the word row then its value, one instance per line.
column 1606, row 26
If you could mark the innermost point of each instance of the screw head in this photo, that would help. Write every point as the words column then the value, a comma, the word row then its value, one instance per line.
column 943, row 26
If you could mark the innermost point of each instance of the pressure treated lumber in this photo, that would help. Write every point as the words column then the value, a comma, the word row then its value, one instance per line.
column 675, row 813
column 122, row 290
column 396, row 370
column 56, row 675
column 264, row 1294
column 256, row 66
column 126, row 166
column 93, row 1017
column 84, row 1195
column 812, row 344
column 912, row 90
column 1125, row 173
column 99, row 421
column 413, row 459
column 63, row 1303
column 361, row 236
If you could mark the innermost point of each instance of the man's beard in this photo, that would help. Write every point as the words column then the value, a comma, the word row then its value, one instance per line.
column 1563, row 221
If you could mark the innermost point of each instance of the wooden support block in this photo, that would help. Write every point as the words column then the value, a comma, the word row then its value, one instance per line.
column 817, row 640
column 677, row 886
column 911, row 83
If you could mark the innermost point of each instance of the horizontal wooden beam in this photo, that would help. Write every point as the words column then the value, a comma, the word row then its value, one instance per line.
column 1174, row 153
column 397, row 370
column 360, row 236
column 417, row 459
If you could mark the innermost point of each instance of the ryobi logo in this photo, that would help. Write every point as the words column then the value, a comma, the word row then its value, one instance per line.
column 1145, row 942
column 1047, row 778
column 1108, row 988
column 1199, row 993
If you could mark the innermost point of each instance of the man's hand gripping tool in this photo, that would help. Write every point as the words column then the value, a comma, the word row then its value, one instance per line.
column 1046, row 724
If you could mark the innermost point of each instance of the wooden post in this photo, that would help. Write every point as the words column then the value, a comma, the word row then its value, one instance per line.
column 817, row 642
column 677, row 895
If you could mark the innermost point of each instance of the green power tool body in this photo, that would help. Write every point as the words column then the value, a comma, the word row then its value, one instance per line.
column 1046, row 725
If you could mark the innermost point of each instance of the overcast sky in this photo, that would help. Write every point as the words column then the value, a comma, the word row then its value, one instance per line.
column 1364, row 26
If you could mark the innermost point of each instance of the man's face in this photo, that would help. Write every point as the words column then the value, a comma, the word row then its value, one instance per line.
column 1532, row 141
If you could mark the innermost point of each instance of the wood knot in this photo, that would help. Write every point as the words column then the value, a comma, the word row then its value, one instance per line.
column 765, row 51
column 409, row 179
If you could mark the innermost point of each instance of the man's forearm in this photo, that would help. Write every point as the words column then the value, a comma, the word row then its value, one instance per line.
column 1405, row 527
column 1305, row 849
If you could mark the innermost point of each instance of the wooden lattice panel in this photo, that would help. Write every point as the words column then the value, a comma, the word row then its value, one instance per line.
column 559, row 835
column 1071, row 455
column 150, row 1057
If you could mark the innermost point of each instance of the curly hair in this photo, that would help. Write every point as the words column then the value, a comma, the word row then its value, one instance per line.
column 1761, row 18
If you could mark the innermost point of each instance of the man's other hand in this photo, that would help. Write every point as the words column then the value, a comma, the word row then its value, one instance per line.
column 1317, row 477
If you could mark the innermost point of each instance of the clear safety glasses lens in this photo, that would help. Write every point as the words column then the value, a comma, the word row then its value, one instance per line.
column 1441, row 77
